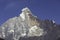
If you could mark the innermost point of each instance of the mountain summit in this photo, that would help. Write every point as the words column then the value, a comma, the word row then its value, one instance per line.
column 27, row 25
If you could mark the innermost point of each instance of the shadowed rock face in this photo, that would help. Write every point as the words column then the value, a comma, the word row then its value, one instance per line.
column 1, row 39
column 52, row 34
column 29, row 27
column 30, row 38
column 58, row 38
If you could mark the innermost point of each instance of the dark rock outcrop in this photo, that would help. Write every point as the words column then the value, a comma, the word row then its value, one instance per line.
column 1, row 39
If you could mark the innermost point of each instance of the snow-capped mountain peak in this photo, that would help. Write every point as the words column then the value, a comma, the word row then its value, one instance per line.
column 27, row 25
column 20, row 26
column 25, row 13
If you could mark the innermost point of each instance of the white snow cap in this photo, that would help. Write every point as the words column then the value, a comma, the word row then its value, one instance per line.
column 53, row 21
column 23, row 34
column 36, row 30
column 25, row 9
column 3, row 34
column 22, row 16
column 11, row 31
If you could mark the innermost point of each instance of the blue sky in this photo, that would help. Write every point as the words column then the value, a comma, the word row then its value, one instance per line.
column 44, row 9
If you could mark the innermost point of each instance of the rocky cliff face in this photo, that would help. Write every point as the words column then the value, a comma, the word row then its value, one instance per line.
column 29, row 27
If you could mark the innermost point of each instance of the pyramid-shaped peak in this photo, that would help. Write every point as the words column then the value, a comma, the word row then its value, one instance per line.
column 25, row 9
column 25, row 13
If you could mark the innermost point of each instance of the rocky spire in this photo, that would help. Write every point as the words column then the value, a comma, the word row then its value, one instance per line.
column 25, row 12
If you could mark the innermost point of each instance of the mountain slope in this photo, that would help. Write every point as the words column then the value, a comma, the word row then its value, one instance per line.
column 28, row 26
